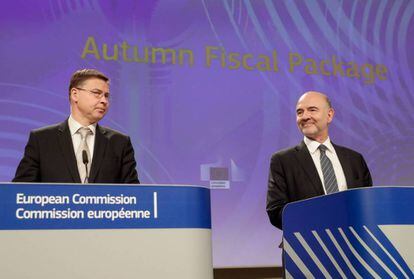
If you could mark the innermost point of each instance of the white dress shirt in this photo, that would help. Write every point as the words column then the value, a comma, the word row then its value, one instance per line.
column 331, row 154
column 76, row 137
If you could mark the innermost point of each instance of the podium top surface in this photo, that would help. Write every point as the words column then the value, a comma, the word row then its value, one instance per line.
column 105, row 184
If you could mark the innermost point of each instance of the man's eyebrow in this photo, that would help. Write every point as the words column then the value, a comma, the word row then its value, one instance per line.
column 310, row 107
column 100, row 91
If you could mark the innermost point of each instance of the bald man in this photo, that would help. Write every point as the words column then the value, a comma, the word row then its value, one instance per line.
column 316, row 166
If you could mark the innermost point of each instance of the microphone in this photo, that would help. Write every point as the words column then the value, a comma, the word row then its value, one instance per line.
column 85, row 161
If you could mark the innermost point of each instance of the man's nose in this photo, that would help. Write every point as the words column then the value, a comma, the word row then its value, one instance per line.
column 104, row 100
column 305, row 115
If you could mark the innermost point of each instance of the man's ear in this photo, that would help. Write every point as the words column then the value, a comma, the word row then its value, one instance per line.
column 331, row 113
column 74, row 95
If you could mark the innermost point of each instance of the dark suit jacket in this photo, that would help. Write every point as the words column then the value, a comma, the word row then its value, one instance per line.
column 49, row 157
column 293, row 176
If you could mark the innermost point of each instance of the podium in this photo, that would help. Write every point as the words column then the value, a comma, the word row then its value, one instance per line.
column 358, row 233
column 104, row 231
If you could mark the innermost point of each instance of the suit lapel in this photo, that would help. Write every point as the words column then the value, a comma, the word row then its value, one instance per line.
column 98, row 152
column 306, row 162
column 66, row 146
column 345, row 163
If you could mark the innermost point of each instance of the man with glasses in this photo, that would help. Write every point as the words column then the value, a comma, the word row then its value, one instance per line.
column 79, row 150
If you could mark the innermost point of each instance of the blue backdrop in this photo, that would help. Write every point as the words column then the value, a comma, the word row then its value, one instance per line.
column 207, row 90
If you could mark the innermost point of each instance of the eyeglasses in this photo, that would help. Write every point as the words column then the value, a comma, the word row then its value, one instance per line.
column 97, row 93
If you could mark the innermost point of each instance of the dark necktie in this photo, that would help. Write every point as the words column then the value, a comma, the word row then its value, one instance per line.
column 329, row 178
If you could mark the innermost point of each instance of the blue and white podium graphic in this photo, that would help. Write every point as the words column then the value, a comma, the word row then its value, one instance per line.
column 359, row 233
column 104, row 231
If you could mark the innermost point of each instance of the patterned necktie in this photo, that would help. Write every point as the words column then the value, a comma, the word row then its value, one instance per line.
column 82, row 168
column 329, row 178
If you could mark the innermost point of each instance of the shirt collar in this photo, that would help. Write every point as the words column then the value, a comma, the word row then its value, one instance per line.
column 75, row 125
column 313, row 145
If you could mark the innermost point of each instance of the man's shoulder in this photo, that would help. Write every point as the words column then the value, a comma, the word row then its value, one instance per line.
column 346, row 150
column 112, row 133
column 45, row 130
column 289, row 151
